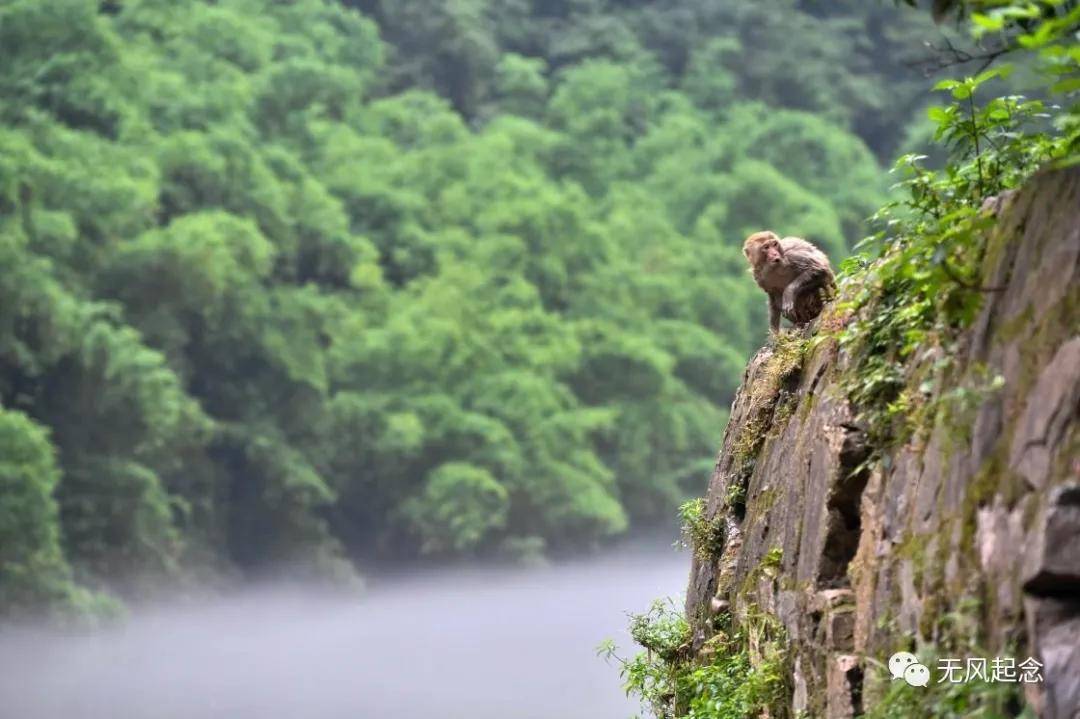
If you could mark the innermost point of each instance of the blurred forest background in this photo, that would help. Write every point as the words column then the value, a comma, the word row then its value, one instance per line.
column 302, row 283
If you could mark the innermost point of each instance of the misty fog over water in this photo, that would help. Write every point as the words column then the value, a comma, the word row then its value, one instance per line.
column 475, row 644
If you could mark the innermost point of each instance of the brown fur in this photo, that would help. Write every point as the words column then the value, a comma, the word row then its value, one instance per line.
column 794, row 273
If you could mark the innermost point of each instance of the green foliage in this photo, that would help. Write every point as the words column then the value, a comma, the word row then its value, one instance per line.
column 733, row 686
column 32, row 566
column 820, row 157
column 924, row 283
column 704, row 536
column 35, row 577
column 460, row 504
column 771, row 561
column 1045, row 28
column 654, row 675
column 288, row 284
column 737, row 674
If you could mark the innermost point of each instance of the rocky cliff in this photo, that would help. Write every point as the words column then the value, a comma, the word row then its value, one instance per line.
column 961, row 541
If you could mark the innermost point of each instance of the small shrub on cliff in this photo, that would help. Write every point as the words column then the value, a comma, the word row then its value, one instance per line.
column 705, row 536
column 735, row 675
column 654, row 674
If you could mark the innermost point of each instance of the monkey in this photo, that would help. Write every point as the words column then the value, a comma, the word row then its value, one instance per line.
column 794, row 273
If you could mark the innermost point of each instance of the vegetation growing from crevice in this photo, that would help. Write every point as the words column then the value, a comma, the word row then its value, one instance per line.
column 703, row 535
column 738, row 673
column 766, row 569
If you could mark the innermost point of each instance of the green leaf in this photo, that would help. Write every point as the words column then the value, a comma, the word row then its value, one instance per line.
column 938, row 114
column 962, row 91
column 988, row 23
column 947, row 85
column 1067, row 85
column 1000, row 71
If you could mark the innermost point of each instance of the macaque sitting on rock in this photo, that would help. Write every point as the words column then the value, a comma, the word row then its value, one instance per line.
column 794, row 274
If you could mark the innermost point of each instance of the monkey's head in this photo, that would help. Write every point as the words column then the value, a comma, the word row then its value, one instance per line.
column 763, row 248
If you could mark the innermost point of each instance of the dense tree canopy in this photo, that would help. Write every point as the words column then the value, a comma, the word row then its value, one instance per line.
column 294, row 283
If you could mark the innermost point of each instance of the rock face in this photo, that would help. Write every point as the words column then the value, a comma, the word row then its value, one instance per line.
column 977, row 516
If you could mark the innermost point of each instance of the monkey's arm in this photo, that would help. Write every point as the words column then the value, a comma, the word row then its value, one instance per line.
column 774, row 312
column 810, row 278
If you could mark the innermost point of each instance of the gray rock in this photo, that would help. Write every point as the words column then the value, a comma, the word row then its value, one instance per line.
column 1056, row 572
column 1051, row 408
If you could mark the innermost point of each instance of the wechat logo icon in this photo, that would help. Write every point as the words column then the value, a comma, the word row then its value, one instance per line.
column 906, row 666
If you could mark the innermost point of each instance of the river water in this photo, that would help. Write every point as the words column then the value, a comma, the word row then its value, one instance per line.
column 462, row 644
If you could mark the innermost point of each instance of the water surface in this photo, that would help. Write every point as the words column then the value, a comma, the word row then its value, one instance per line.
column 468, row 644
